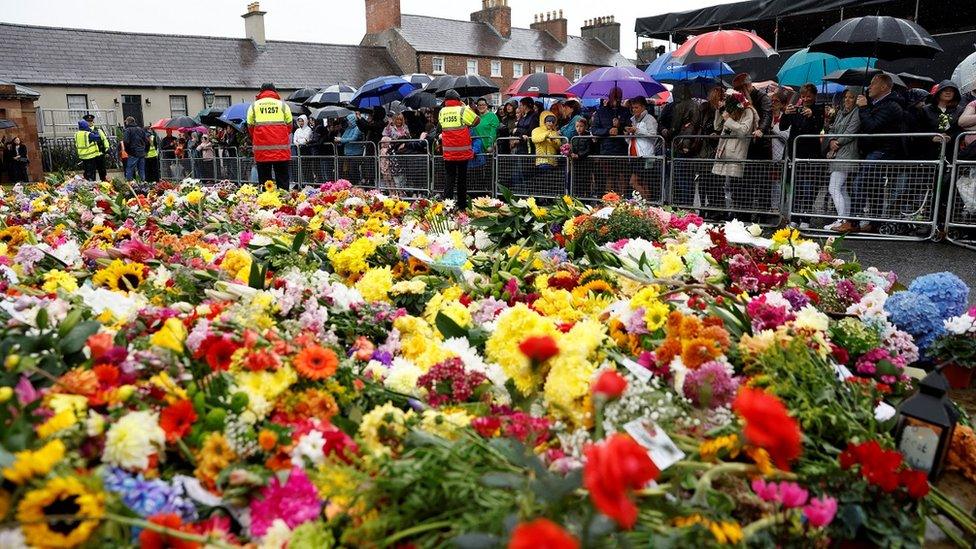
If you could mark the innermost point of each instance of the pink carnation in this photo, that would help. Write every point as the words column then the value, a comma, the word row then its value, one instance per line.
column 295, row 502
column 820, row 512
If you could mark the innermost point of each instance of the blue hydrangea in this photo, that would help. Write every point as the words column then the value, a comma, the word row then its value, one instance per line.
column 947, row 291
column 917, row 315
column 147, row 497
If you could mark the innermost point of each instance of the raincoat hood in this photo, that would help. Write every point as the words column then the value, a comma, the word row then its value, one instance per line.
column 545, row 114
column 934, row 97
column 268, row 93
column 351, row 118
column 83, row 125
column 304, row 118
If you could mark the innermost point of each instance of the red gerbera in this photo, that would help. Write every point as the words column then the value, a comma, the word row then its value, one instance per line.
column 149, row 539
column 541, row 534
column 217, row 351
column 539, row 348
column 769, row 426
column 177, row 419
column 614, row 468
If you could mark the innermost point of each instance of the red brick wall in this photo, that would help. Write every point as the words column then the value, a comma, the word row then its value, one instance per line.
column 458, row 64
column 556, row 27
column 24, row 114
column 382, row 15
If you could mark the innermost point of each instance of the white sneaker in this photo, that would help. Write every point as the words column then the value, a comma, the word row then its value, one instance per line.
column 865, row 224
column 804, row 226
column 834, row 225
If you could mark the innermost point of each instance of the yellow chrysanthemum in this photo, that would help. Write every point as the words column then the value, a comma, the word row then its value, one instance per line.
column 375, row 284
column 171, row 336
column 567, row 388
column 514, row 326
column 558, row 303
column 457, row 312
column 445, row 423
column 269, row 199
column 352, row 259
column 61, row 497
column 194, row 197
column 382, row 429
column 710, row 449
column 56, row 279
column 120, row 276
column 237, row 263
column 57, row 423
column 37, row 463
column 785, row 235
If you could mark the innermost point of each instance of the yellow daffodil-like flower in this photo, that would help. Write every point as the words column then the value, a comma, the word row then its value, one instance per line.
column 445, row 423
column 120, row 276
column 194, row 197
column 57, row 423
column 375, row 284
column 29, row 464
column 786, row 235
column 61, row 497
column 382, row 430
column 711, row 448
column 269, row 199
column 56, row 279
column 513, row 327
column 132, row 439
column 237, row 263
column 171, row 336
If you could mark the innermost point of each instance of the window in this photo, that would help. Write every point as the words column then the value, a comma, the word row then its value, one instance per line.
column 540, row 68
column 495, row 99
column 516, row 70
column 577, row 74
column 437, row 65
column 472, row 66
column 559, row 71
column 177, row 106
column 221, row 101
column 77, row 104
column 496, row 68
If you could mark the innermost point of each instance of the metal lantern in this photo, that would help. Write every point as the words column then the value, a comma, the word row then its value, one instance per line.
column 208, row 98
column 926, row 421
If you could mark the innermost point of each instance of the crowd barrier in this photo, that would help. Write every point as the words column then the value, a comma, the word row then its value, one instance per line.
column 900, row 197
column 960, row 219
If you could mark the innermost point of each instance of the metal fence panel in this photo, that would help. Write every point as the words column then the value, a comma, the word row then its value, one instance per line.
column 359, row 169
column 318, row 169
column 960, row 217
column 481, row 175
column 898, row 196
column 720, row 186
column 60, row 154
column 593, row 175
column 404, row 167
column 537, row 175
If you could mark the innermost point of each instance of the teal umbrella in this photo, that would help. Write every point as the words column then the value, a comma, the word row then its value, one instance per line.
column 804, row 66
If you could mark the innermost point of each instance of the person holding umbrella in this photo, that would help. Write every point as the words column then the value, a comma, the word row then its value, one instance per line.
column 269, row 123
column 610, row 120
column 455, row 120
column 136, row 142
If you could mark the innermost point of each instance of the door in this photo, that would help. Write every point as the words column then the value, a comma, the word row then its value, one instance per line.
column 132, row 106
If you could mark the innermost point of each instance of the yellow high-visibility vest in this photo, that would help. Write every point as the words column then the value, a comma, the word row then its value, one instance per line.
column 87, row 149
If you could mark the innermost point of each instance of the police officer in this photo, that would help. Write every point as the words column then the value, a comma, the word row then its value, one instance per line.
column 86, row 145
column 269, row 123
column 455, row 120
column 103, row 146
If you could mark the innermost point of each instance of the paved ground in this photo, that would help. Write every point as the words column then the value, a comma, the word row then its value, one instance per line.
column 912, row 259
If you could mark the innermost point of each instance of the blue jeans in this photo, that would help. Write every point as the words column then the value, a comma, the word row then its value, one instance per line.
column 131, row 163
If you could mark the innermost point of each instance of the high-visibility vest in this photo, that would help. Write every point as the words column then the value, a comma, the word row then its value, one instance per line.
column 104, row 138
column 152, row 152
column 270, row 122
column 87, row 149
column 455, row 135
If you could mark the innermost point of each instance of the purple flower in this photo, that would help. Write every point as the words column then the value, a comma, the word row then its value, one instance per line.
column 710, row 386
column 26, row 393
column 796, row 297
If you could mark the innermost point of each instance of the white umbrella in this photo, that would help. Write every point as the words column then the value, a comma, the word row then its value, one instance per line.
column 965, row 74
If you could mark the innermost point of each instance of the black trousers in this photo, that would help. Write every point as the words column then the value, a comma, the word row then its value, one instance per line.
column 152, row 169
column 88, row 168
column 280, row 169
column 456, row 172
column 100, row 167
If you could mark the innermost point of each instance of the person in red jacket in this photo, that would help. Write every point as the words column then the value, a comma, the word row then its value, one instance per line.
column 455, row 120
column 269, row 123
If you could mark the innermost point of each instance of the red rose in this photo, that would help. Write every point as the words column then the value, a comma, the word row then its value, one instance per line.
column 541, row 534
column 614, row 468
column 539, row 348
column 769, row 426
column 916, row 482
column 610, row 385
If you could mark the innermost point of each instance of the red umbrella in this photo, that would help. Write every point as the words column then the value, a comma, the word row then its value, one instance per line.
column 160, row 124
column 722, row 45
column 539, row 84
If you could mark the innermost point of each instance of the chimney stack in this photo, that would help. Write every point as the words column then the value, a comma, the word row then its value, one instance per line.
column 254, row 24
column 497, row 14
column 382, row 15
column 554, row 23
column 606, row 29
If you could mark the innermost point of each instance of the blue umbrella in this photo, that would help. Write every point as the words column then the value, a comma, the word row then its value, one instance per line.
column 382, row 90
column 235, row 115
column 661, row 64
column 632, row 82
column 705, row 70
column 803, row 67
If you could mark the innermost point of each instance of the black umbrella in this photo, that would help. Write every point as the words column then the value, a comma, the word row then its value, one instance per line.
column 301, row 95
column 297, row 109
column 396, row 107
column 6, row 124
column 211, row 116
column 419, row 99
column 439, row 83
column 469, row 85
column 333, row 95
column 861, row 77
column 332, row 111
column 877, row 36
column 181, row 122
column 916, row 80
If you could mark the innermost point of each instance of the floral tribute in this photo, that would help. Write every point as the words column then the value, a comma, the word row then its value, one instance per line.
column 218, row 366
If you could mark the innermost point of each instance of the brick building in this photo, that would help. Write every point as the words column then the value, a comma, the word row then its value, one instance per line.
column 17, row 105
column 489, row 45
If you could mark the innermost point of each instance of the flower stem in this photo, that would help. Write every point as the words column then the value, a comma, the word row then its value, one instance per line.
column 754, row 527
column 417, row 530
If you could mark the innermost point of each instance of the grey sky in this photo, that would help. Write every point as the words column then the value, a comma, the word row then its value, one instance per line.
column 332, row 21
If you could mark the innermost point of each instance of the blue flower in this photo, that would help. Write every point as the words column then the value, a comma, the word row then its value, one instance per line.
column 947, row 291
column 149, row 497
column 917, row 315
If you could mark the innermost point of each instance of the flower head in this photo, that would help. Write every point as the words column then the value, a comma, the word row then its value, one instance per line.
column 541, row 534
column 768, row 425
column 614, row 468
column 820, row 511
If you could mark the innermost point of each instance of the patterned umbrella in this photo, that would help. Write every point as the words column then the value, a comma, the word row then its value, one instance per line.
column 337, row 94
column 632, row 81
column 723, row 45
column 540, row 84
column 418, row 78
column 301, row 95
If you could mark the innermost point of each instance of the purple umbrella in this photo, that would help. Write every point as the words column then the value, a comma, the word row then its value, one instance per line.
column 632, row 81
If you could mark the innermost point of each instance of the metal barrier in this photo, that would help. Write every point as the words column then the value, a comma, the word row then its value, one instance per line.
column 60, row 153
column 899, row 195
column 721, row 183
column 960, row 217
column 359, row 169
column 315, row 169
column 537, row 175
column 481, row 175
column 593, row 174
column 404, row 166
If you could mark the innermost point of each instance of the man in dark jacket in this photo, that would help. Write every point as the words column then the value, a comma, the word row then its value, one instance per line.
column 883, row 115
column 609, row 120
column 527, row 121
column 136, row 142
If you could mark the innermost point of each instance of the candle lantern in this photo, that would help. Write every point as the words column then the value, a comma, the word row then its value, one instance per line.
column 926, row 422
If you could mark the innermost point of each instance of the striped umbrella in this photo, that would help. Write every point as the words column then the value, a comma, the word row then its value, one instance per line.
column 337, row 94
column 540, row 84
column 723, row 45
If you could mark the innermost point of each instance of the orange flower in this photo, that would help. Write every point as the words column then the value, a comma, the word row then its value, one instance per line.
column 177, row 419
column 267, row 440
column 541, row 534
column 316, row 362
column 769, row 425
column 99, row 344
column 698, row 351
column 615, row 468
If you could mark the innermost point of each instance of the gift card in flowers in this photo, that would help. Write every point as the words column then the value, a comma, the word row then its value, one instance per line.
column 640, row 372
column 663, row 451
column 418, row 253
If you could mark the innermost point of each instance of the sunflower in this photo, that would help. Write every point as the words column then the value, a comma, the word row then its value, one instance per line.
column 121, row 276
column 316, row 362
column 62, row 513
column 13, row 236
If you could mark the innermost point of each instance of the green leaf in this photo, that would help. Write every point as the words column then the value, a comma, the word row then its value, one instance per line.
column 69, row 322
column 255, row 278
column 296, row 246
column 75, row 340
column 502, row 480
column 448, row 328
column 42, row 319
column 476, row 540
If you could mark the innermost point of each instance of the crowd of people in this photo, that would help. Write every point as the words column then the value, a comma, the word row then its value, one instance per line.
column 720, row 135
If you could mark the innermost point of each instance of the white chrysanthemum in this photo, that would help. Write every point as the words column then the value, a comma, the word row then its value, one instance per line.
column 811, row 319
column 403, row 376
column 961, row 324
column 277, row 536
column 311, row 447
column 133, row 439
column 344, row 297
